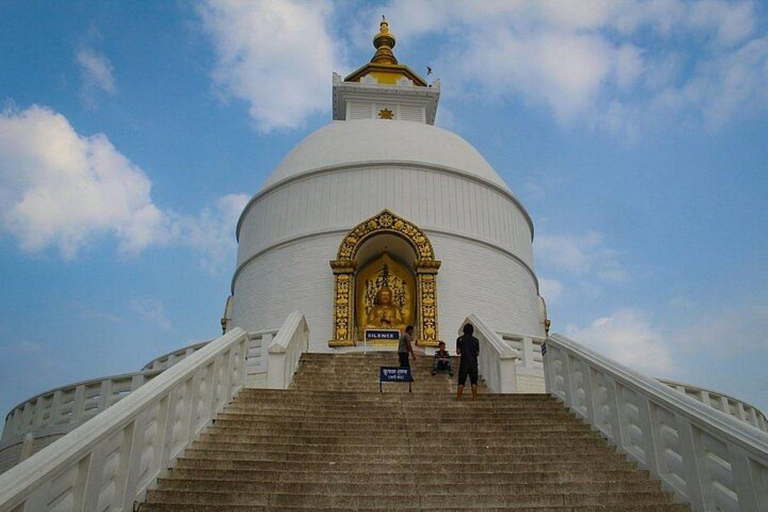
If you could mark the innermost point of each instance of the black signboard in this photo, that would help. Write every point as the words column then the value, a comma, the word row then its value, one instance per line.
column 382, row 334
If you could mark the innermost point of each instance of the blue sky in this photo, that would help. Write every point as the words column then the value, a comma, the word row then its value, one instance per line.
column 131, row 134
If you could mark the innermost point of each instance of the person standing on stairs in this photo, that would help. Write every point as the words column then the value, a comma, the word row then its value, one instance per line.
column 468, row 347
column 405, row 347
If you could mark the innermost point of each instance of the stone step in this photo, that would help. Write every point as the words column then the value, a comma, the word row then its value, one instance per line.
column 382, row 400
column 434, row 414
column 170, row 507
column 386, row 456
column 400, row 488
column 387, row 439
column 406, row 475
column 372, row 425
column 400, row 500
column 238, row 462
column 263, row 394
column 425, row 437
column 414, row 429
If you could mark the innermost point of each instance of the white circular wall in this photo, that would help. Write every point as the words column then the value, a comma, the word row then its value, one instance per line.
column 293, row 227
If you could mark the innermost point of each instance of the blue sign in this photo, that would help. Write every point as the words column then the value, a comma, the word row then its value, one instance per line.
column 395, row 374
column 382, row 334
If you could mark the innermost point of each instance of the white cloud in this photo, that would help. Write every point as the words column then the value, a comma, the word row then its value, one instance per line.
column 211, row 233
column 585, row 255
column 153, row 310
column 62, row 190
column 613, row 65
column 726, row 331
column 21, row 347
column 628, row 337
column 96, row 74
column 277, row 56
column 58, row 188
column 617, row 66
column 533, row 191
column 550, row 289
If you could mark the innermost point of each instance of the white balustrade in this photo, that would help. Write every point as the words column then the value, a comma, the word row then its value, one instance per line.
column 285, row 350
column 108, row 462
column 529, row 365
column 256, row 369
column 63, row 409
column 497, row 359
column 737, row 408
column 171, row 358
column 705, row 457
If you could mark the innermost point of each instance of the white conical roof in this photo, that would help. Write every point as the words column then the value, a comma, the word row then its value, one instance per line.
column 344, row 143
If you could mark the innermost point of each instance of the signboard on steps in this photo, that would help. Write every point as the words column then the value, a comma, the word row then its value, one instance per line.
column 395, row 374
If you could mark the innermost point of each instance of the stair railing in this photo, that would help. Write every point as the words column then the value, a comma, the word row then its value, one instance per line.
column 705, row 457
column 285, row 351
column 108, row 462
column 497, row 359
column 729, row 405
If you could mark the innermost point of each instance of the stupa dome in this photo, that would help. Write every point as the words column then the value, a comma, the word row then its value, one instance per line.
column 342, row 143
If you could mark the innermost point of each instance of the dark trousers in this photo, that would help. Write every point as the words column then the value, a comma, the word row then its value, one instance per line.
column 442, row 366
column 465, row 372
column 404, row 362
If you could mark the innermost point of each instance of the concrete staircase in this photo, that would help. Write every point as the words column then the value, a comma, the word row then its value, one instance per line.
column 334, row 442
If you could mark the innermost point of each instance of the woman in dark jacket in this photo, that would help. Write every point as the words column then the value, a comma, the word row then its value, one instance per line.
column 468, row 347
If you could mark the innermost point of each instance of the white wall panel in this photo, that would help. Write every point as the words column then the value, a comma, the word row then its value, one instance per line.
column 430, row 198
column 477, row 279
column 474, row 278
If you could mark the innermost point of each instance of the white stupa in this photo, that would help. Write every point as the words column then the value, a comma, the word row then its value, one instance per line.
column 382, row 186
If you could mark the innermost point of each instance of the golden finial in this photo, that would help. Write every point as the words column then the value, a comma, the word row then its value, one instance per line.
column 384, row 41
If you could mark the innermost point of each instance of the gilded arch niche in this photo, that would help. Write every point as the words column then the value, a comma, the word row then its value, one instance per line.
column 345, row 268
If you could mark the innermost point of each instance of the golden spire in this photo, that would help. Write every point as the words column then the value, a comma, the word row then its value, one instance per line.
column 384, row 41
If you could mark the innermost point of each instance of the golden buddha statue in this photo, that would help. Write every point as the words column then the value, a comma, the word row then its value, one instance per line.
column 384, row 314
column 384, row 295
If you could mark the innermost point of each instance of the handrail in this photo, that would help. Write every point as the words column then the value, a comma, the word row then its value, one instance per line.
column 706, row 457
column 173, row 357
column 497, row 359
column 286, row 349
column 108, row 462
column 18, row 408
column 741, row 410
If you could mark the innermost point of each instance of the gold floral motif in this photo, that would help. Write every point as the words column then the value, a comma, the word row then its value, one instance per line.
column 385, row 220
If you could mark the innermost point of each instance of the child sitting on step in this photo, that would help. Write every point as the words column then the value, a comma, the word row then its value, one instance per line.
column 442, row 360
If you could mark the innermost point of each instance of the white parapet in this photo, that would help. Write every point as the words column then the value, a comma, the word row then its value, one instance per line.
column 707, row 458
column 729, row 405
column 285, row 350
column 108, row 462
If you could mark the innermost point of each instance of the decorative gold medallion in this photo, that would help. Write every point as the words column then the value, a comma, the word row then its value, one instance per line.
column 385, row 113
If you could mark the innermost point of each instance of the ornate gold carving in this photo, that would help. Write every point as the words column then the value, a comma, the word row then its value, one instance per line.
column 342, row 318
column 385, row 221
column 344, row 267
column 427, row 310
column 386, row 113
